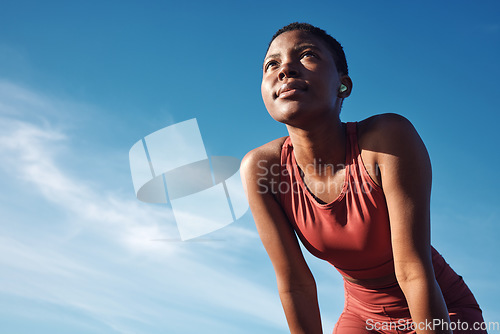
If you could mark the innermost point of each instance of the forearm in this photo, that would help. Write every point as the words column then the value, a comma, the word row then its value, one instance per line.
column 427, row 306
column 302, row 310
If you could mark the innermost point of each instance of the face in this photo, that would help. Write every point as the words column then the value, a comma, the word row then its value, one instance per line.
column 300, row 80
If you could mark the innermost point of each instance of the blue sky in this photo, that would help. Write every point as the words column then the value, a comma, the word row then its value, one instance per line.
column 82, row 81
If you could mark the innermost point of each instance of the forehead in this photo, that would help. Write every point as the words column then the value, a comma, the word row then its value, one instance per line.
column 293, row 39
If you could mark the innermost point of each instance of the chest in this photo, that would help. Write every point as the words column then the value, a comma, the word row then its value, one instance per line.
column 327, row 186
column 351, row 224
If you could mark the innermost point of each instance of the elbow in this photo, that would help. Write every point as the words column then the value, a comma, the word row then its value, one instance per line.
column 304, row 290
column 410, row 274
column 288, row 286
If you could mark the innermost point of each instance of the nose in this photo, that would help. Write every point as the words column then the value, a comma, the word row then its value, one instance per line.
column 287, row 70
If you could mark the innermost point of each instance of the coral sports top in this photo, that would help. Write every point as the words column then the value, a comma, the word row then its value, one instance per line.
column 352, row 232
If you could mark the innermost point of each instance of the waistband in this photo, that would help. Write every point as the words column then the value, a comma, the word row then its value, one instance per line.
column 375, row 296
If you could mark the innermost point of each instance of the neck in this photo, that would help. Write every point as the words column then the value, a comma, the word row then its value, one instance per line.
column 320, row 144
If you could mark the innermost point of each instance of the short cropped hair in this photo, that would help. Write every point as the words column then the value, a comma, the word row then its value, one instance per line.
column 334, row 46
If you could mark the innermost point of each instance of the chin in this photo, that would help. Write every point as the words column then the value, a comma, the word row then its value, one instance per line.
column 300, row 116
column 288, row 115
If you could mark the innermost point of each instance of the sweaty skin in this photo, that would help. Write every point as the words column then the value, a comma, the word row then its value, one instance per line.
column 300, row 88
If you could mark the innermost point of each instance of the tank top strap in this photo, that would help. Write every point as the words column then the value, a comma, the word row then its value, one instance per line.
column 352, row 146
column 285, row 151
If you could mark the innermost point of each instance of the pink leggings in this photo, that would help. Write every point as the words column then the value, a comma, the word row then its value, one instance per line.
column 384, row 310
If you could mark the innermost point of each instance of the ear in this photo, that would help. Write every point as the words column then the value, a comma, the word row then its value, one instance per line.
column 347, row 82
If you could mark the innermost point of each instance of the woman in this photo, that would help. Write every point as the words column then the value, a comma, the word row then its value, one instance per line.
column 356, row 194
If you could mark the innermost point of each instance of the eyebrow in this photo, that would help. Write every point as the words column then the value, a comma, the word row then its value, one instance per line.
column 303, row 46
column 296, row 48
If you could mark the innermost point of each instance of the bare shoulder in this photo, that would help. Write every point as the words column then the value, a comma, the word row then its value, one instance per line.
column 385, row 141
column 262, row 157
column 384, row 132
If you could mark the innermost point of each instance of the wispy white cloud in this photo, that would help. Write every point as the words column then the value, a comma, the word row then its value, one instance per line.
column 28, row 152
column 109, row 268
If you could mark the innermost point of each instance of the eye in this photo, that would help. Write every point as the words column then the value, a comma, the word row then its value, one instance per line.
column 308, row 53
column 270, row 64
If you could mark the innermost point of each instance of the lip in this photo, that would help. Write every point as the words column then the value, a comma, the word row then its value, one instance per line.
column 290, row 89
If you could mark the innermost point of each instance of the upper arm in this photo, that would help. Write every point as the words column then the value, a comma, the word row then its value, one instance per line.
column 406, row 180
column 276, row 232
